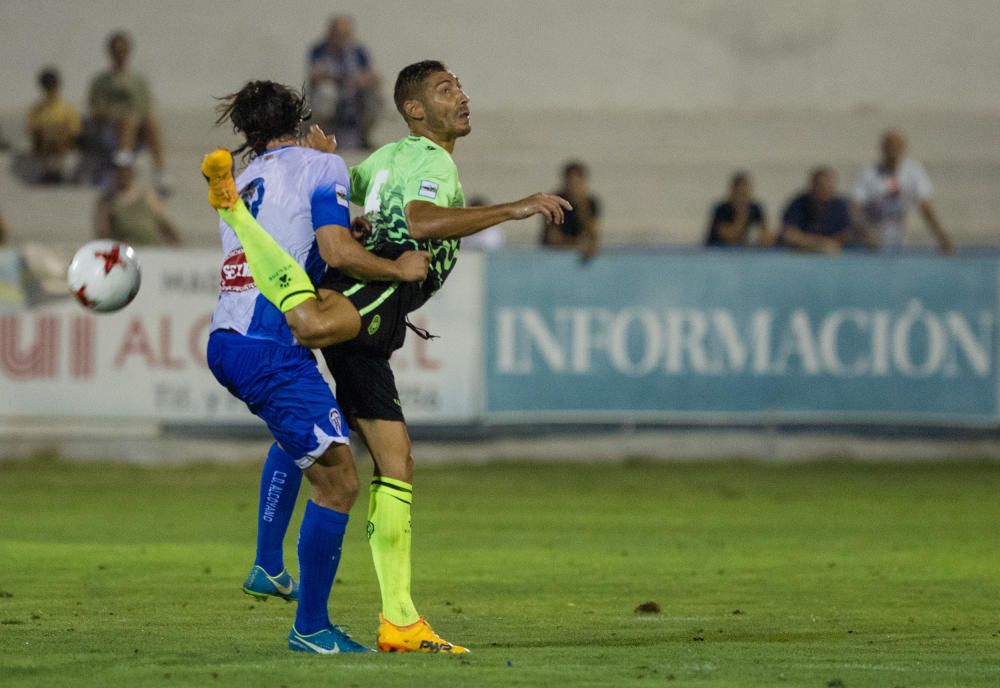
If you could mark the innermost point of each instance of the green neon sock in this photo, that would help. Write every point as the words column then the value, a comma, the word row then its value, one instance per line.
column 280, row 279
column 389, row 538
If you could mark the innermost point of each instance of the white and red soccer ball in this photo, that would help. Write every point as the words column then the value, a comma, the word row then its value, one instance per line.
column 104, row 275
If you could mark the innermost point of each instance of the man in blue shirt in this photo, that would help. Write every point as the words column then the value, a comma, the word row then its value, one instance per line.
column 343, row 86
column 817, row 220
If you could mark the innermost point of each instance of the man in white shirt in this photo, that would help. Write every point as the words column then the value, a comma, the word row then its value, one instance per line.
column 885, row 191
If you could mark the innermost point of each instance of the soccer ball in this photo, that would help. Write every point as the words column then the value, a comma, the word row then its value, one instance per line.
column 104, row 275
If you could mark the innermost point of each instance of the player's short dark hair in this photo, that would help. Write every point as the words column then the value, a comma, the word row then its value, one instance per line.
column 574, row 167
column 48, row 78
column 410, row 81
column 262, row 111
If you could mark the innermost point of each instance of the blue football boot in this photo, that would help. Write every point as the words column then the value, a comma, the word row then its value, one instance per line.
column 261, row 585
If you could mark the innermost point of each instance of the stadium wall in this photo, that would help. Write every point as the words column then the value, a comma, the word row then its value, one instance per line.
column 709, row 338
column 555, row 54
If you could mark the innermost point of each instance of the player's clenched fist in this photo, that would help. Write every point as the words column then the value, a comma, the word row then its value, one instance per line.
column 549, row 206
column 413, row 265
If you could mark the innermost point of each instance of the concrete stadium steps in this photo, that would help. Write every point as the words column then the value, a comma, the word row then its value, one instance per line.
column 656, row 174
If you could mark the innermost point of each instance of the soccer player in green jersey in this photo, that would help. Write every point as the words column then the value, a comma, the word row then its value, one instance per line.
column 412, row 199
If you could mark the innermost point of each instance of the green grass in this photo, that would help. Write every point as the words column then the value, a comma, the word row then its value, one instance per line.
column 797, row 575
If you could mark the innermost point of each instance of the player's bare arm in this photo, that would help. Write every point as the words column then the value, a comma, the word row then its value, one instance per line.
column 340, row 250
column 428, row 221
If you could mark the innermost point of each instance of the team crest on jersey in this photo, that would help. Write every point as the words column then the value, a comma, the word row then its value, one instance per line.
column 335, row 421
column 341, row 192
column 428, row 189
column 235, row 274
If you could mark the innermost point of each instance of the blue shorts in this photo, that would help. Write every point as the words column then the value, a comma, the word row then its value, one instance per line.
column 283, row 387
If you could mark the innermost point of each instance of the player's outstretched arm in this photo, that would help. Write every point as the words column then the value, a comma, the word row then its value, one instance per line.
column 428, row 221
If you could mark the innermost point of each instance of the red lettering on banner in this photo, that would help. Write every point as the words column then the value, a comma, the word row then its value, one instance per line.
column 136, row 342
column 81, row 347
column 165, row 330
column 196, row 346
column 39, row 360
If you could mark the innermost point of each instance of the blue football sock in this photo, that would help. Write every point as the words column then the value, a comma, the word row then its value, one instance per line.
column 279, row 487
column 320, row 539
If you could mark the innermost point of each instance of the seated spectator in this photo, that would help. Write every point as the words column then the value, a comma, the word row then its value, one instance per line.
column 54, row 127
column 489, row 239
column 121, row 111
column 343, row 86
column 818, row 220
column 738, row 216
column 579, row 230
column 127, row 212
column 886, row 190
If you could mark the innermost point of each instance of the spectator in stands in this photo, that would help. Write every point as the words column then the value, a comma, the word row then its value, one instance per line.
column 886, row 190
column 54, row 127
column 343, row 86
column 819, row 219
column 121, row 110
column 580, row 229
column 489, row 239
column 737, row 217
column 127, row 212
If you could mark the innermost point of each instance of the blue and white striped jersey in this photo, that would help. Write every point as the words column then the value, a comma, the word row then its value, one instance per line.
column 292, row 191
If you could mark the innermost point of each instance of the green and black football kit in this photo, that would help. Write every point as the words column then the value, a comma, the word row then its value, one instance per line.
column 411, row 169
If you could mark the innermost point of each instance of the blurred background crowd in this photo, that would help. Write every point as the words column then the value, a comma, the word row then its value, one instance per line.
column 120, row 148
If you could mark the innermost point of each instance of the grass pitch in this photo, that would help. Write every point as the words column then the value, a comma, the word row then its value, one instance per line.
column 801, row 575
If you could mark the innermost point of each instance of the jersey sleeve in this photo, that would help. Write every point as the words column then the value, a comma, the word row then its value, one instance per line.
column 360, row 178
column 435, row 181
column 331, row 193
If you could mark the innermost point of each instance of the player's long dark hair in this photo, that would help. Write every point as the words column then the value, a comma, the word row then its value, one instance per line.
column 262, row 111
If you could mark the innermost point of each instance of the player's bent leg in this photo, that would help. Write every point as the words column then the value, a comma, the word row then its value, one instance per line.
column 334, row 482
column 315, row 321
column 330, row 319
column 279, row 277
column 401, row 628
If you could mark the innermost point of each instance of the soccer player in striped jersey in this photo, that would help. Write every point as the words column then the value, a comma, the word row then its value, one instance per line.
column 301, row 196
column 413, row 200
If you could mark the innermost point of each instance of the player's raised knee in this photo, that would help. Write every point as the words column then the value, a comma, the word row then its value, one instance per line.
column 315, row 324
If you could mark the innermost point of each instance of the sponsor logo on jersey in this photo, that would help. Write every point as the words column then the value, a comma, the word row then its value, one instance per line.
column 335, row 421
column 341, row 192
column 235, row 274
column 374, row 324
column 428, row 189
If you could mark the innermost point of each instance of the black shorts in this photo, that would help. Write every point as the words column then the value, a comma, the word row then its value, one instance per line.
column 366, row 386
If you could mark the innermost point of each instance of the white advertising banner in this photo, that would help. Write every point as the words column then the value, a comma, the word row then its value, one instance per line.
column 148, row 360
